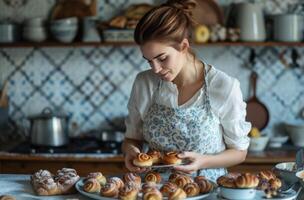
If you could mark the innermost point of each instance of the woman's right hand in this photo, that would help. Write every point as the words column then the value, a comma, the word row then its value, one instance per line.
column 130, row 155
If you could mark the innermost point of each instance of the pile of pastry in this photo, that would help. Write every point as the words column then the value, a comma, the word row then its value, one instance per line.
column 152, row 186
column 153, row 157
column 63, row 182
column 265, row 180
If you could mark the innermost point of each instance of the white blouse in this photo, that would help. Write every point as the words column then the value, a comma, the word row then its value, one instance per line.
column 225, row 96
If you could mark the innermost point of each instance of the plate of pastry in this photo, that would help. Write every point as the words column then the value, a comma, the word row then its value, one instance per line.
column 133, row 186
column 156, row 159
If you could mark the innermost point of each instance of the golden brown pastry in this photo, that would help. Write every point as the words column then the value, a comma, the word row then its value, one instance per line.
column 199, row 178
column 191, row 189
column 132, row 177
column 178, row 194
column 147, row 187
column 118, row 22
column 110, row 189
column 129, row 191
column 275, row 183
column 267, row 175
column 66, row 179
column 7, row 197
column 153, row 176
column 171, row 158
column 270, row 192
column 182, row 180
column 225, row 181
column 156, row 156
column 91, row 185
column 119, row 183
column 153, row 194
column 247, row 180
column 168, row 188
column 143, row 160
column 98, row 176
column 204, row 185
column 173, row 176
column 137, row 11
column 263, row 184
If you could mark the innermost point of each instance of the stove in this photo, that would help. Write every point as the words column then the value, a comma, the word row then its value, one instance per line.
column 89, row 145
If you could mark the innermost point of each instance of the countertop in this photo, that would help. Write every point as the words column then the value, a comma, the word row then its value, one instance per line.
column 267, row 156
column 19, row 186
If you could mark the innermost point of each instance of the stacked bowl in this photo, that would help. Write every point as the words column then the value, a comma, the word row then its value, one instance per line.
column 64, row 30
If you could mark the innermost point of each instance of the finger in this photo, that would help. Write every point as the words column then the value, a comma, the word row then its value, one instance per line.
column 185, row 154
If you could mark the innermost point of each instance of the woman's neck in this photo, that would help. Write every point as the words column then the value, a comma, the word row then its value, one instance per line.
column 191, row 72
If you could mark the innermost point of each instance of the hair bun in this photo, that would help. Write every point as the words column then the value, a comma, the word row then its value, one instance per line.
column 185, row 5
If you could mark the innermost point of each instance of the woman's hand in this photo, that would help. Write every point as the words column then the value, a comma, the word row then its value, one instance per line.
column 130, row 154
column 196, row 162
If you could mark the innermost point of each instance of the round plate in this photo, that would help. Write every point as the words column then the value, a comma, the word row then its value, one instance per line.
column 80, row 183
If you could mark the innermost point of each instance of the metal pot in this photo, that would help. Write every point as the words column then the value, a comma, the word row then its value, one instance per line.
column 49, row 129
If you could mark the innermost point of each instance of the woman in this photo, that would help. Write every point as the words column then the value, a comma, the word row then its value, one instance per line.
column 181, row 103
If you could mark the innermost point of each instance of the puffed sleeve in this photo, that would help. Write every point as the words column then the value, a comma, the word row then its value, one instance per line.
column 232, row 117
column 133, row 121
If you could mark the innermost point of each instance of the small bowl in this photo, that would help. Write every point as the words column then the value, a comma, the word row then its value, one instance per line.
column 65, row 35
column 300, row 175
column 71, row 21
column 258, row 144
column 277, row 141
column 287, row 172
column 237, row 193
column 296, row 132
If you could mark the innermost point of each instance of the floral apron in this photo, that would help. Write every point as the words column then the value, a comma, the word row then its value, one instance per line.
column 195, row 128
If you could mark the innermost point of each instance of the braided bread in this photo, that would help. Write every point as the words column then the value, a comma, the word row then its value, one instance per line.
column 143, row 160
column 91, row 185
column 275, row 183
column 267, row 175
column 225, row 181
column 153, row 176
column 247, row 180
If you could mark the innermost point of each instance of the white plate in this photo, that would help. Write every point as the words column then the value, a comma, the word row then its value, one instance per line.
column 79, row 188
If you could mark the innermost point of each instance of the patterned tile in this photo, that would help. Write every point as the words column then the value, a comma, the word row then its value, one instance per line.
column 92, row 85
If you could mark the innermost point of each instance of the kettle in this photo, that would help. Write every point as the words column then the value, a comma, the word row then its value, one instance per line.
column 49, row 129
column 250, row 20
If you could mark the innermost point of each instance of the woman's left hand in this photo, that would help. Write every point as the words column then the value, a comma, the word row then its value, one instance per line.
column 196, row 162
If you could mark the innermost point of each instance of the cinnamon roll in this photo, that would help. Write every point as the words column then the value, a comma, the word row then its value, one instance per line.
column 129, row 191
column 191, row 189
column 132, row 177
column 204, row 185
column 143, row 160
column 119, row 183
column 171, row 158
column 178, row 194
column 153, row 194
column 98, row 176
column 173, row 176
column 168, row 188
column 182, row 180
column 153, row 176
column 199, row 178
column 7, row 197
column 110, row 189
column 146, row 187
column 91, row 185
column 155, row 155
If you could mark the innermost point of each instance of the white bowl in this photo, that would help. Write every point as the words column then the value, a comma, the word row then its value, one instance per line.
column 237, row 193
column 258, row 144
column 71, row 21
column 64, row 34
column 296, row 133
column 278, row 141
column 286, row 171
column 300, row 175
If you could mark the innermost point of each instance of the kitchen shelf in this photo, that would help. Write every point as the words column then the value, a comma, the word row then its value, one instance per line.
column 100, row 44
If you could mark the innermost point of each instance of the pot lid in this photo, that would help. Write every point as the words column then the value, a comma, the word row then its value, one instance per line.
column 47, row 113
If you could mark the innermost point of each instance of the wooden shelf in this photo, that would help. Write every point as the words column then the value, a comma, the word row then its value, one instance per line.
column 100, row 44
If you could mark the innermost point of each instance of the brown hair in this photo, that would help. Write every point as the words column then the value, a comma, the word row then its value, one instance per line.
column 170, row 22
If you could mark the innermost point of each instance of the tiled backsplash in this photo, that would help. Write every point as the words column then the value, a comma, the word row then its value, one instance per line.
column 92, row 85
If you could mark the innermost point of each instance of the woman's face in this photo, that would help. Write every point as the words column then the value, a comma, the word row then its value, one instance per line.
column 165, row 60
